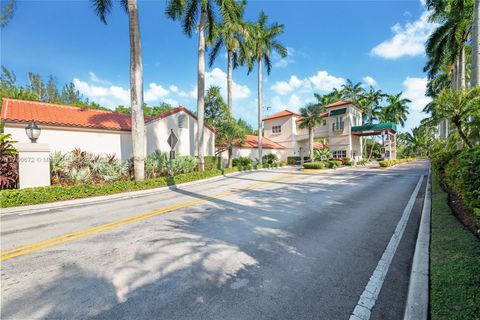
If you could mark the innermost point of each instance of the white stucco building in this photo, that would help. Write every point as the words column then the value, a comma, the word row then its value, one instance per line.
column 65, row 128
column 342, row 130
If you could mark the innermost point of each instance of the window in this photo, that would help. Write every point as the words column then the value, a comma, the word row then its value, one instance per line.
column 324, row 122
column 276, row 129
column 181, row 121
column 340, row 154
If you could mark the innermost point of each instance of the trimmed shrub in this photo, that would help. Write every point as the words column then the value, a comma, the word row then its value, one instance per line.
column 242, row 161
column 270, row 158
column 314, row 165
column 295, row 160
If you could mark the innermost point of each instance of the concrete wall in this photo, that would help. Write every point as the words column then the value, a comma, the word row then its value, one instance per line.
column 159, row 130
column 66, row 139
column 252, row 153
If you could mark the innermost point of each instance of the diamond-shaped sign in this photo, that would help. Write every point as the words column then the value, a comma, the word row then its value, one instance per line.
column 172, row 139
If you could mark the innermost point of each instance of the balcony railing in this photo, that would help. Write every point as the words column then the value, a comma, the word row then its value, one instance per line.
column 338, row 126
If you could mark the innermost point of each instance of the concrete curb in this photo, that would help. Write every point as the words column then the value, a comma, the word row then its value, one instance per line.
column 418, row 287
column 118, row 196
column 99, row 199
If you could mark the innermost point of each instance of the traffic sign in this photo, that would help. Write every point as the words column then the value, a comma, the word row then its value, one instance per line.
column 172, row 139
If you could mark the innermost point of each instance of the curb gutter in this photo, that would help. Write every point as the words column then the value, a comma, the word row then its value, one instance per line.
column 418, row 287
column 118, row 196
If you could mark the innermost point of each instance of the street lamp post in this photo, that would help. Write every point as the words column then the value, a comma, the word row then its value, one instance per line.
column 33, row 131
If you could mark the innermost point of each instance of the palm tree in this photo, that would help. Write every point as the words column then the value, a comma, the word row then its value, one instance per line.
column 397, row 109
column 189, row 11
column 352, row 91
column 457, row 106
column 230, row 35
column 446, row 45
column 311, row 116
column 102, row 8
column 476, row 45
column 370, row 103
column 258, row 49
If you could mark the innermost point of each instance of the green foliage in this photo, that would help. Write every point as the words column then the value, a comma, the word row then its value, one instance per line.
column 8, row 162
column 461, row 173
column 318, row 153
column 30, row 196
column 270, row 159
column 242, row 161
column 158, row 164
column 80, row 166
column 454, row 263
column 295, row 160
column 389, row 163
column 314, row 165
column 148, row 111
column 213, row 162
column 38, row 90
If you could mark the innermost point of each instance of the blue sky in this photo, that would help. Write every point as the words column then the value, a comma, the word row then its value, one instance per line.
column 375, row 42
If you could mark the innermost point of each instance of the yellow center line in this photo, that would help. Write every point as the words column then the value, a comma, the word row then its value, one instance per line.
column 8, row 254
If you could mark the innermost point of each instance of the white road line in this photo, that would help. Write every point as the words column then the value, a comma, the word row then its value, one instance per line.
column 369, row 296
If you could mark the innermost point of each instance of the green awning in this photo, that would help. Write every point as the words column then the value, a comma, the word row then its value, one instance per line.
column 375, row 127
column 338, row 111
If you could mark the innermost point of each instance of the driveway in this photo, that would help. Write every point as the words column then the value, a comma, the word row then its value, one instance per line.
column 276, row 244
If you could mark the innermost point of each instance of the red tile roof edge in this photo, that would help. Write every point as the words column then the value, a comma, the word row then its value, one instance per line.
column 279, row 115
column 5, row 104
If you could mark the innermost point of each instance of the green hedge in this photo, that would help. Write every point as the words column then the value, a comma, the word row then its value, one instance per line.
column 389, row 163
column 30, row 196
column 460, row 172
column 295, row 160
column 242, row 161
column 314, row 165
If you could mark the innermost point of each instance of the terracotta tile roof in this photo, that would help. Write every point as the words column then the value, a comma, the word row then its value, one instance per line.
column 280, row 114
column 252, row 142
column 14, row 110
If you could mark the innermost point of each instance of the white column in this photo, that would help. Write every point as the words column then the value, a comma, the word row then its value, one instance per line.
column 33, row 164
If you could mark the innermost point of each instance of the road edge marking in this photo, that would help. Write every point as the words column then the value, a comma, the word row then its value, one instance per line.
column 418, row 286
column 366, row 302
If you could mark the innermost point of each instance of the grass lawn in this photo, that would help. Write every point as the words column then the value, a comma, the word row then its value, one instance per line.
column 454, row 265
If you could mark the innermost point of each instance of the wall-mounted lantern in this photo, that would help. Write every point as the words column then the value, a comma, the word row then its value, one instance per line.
column 33, row 131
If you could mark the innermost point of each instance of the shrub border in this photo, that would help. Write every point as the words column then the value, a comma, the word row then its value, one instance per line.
column 43, row 195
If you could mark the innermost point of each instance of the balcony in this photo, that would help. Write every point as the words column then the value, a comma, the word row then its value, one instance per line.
column 338, row 126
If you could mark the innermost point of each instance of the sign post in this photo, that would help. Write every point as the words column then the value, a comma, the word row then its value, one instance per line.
column 172, row 142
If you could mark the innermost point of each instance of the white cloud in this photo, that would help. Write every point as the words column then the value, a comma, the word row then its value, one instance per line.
column 155, row 93
column 325, row 82
column 321, row 81
column 96, row 79
column 414, row 89
column 172, row 102
column 279, row 62
column 369, row 81
column 294, row 102
column 284, row 87
column 108, row 96
column 112, row 96
column 408, row 40
column 217, row 77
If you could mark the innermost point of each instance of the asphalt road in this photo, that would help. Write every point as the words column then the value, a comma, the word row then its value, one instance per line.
column 277, row 244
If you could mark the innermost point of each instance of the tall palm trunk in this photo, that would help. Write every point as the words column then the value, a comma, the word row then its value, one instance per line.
column 476, row 45
column 136, row 92
column 260, row 103
column 201, row 91
column 229, row 81
column 461, row 73
column 229, row 98
column 310, row 138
